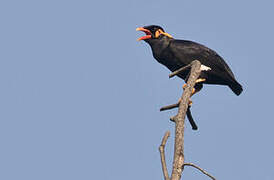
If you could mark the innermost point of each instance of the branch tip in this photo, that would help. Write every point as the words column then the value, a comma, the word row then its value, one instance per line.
column 162, row 154
column 200, row 169
column 172, row 106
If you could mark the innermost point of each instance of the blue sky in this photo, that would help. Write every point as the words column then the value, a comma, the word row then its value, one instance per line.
column 80, row 97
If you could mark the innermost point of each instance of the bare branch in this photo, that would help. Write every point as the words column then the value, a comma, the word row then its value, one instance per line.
column 190, row 119
column 197, row 167
column 179, row 119
column 188, row 114
column 162, row 153
column 180, row 70
column 173, row 118
column 178, row 160
column 172, row 106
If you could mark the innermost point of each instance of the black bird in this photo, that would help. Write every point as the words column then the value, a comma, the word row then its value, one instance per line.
column 174, row 54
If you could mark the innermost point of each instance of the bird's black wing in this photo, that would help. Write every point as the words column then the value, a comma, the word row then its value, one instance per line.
column 187, row 51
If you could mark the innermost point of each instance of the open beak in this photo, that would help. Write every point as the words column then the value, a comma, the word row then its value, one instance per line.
column 147, row 36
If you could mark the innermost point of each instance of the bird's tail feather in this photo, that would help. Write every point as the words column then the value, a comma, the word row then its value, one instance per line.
column 236, row 88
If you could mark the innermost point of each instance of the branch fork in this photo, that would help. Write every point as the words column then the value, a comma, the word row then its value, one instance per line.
column 179, row 119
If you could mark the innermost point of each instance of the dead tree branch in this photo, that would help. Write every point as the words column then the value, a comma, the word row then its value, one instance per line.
column 172, row 106
column 190, row 119
column 180, row 70
column 178, row 160
column 202, row 170
column 162, row 153
column 179, row 119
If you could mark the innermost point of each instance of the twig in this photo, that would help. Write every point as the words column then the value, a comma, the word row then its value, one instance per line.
column 178, row 160
column 190, row 119
column 197, row 167
column 180, row 70
column 172, row 106
column 188, row 114
column 173, row 118
column 162, row 153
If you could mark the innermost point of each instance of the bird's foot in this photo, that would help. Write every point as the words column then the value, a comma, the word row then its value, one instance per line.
column 190, row 102
column 200, row 80
column 193, row 90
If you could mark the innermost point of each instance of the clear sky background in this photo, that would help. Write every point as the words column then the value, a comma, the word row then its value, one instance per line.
column 80, row 97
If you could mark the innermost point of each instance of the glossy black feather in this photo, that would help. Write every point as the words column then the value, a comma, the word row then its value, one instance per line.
column 175, row 54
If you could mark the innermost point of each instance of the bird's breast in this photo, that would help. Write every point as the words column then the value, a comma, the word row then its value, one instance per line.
column 167, row 58
column 163, row 56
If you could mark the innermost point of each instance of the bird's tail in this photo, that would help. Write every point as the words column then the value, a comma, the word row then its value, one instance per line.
column 236, row 87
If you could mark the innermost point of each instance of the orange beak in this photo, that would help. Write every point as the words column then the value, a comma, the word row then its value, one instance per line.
column 147, row 36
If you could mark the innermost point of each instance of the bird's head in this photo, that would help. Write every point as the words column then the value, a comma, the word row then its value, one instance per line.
column 152, row 32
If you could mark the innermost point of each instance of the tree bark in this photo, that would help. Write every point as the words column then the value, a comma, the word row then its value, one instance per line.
column 178, row 161
column 179, row 119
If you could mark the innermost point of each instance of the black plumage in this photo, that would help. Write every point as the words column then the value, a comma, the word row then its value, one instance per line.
column 175, row 54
